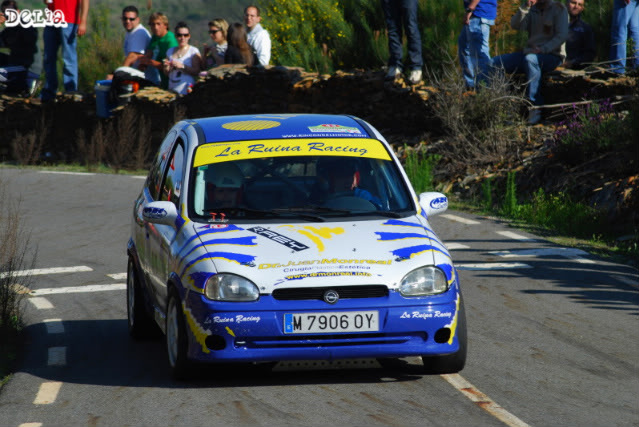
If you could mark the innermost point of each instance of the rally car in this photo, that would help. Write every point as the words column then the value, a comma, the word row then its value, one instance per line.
column 264, row 238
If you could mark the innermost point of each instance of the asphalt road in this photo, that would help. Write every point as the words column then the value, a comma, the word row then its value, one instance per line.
column 553, row 336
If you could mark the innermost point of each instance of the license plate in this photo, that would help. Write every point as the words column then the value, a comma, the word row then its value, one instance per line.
column 325, row 322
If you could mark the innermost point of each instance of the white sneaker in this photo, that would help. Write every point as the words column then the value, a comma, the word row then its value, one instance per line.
column 393, row 73
column 415, row 77
column 534, row 116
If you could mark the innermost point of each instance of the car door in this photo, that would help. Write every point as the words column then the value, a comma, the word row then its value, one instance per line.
column 159, row 236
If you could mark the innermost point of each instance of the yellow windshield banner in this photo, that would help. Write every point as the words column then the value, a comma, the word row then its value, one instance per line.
column 240, row 150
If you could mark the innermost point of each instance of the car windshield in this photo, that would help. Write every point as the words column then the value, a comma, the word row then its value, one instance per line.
column 304, row 187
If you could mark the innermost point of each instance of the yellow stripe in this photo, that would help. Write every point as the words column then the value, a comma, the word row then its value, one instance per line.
column 239, row 150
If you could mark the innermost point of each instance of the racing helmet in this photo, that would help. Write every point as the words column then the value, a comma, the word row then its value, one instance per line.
column 224, row 175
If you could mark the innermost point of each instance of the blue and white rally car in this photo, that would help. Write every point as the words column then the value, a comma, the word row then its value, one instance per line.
column 262, row 238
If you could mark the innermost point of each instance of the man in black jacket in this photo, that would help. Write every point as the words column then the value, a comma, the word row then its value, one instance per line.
column 22, row 44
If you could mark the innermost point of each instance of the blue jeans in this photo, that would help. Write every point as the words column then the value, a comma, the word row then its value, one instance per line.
column 534, row 65
column 54, row 38
column 625, row 21
column 401, row 15
column 473, row 50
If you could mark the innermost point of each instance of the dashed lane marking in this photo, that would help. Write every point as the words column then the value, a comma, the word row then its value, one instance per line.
column 41, row 303
column 42, row 271
column 57, row 356
column 460, row 219
column 516, row 236
column 483, row 401
column 47, row 393
column 492, row 266
column 453, row 246
column 30, row 425
column 79, row 289
column 117, row 276
column 54, row 326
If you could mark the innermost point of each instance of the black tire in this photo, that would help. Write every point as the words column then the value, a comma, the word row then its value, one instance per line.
column 450, row 363
column 176, row 339
column 141, row 325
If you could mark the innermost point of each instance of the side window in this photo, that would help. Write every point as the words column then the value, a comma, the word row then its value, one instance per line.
column 174, row 179
column 155, row 173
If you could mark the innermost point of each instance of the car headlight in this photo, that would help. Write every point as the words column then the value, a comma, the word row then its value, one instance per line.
column 229, row 287
column 423, row 281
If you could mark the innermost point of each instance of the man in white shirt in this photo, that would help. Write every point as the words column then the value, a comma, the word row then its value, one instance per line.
column 258, row 37
column 137, row 37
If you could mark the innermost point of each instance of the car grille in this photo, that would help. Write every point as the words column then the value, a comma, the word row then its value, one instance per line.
column 365, row 291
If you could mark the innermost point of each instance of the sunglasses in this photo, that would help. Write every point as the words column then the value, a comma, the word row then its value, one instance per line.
column 124, row 18
column 213, row 31
column 182, row 35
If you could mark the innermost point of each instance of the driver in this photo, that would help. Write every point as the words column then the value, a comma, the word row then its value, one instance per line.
column 343, row 180
column 223, row 185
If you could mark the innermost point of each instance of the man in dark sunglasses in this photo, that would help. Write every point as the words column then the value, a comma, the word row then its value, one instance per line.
column 137, row 37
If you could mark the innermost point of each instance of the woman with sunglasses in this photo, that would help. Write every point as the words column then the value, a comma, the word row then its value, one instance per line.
column 214, row 55
column 182, row 63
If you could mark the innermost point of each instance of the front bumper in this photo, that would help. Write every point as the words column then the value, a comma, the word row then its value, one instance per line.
column 254, row 332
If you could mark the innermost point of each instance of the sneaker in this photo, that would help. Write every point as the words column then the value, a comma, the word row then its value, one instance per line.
column 534, row 116
column 393, row 73
column 415, row 77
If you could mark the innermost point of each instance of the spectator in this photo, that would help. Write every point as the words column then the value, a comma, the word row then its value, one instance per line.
column 214, row 55
column 76, row 15
column 239, row 51
column 137, row 37
column 258, row 37
column 546, row 23
column 473, row 42
column 401, row 15
column 161, row 40
column 183, row 63
column 580, row 45
column 625, row 19
column 22, row 44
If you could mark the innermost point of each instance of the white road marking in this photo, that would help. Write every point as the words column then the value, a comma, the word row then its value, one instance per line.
column 541, row 252
column 516, row 236
column 117, row 276
column 54, row 326
column 79, row 289
column 583, row 260
column 69, row 173
column 57, row 356
column 30, row 425
column 455, row 246
column 492, row 266
column 483, row 401
column 41, row 271
column 460, row 219
column 47, row 393
column 41, row 303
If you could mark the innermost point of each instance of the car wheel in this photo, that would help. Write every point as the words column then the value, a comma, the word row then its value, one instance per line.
column 450, row 363
column 176, row 340
column 140, row 323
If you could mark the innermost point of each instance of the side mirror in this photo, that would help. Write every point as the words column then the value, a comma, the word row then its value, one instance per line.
column 433, row 203
column 160, row 213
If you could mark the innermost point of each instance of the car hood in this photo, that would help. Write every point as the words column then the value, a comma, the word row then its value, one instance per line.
column 322, row 254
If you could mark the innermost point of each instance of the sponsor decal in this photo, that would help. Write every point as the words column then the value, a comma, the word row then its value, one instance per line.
column 326, row 261
column 439, row 203
column 237, row 319
column 230, row 151
column 316, row 234
column 426, row 315
column 327, row 274
column 333, row 129
column 153, row 213
column 279, row 238
column 251, row 125
column 35, row 18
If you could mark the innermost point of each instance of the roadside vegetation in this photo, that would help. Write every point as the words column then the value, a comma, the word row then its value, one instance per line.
column 16, row 256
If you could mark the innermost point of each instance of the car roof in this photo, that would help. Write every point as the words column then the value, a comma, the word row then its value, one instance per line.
column 279, row 126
